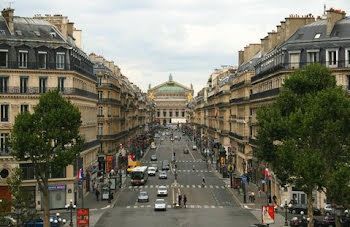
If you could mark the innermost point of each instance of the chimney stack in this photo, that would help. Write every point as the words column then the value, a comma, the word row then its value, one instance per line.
column 333, row 16
column 240, row 57
column 7, row 13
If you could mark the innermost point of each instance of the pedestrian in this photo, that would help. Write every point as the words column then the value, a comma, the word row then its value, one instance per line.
column 274, row 199
column 185, row 200
column 253, row 197
column 180, row 197
column 259, row 192
column 97, row 193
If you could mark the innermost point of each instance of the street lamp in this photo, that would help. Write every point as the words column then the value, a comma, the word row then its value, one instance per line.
column 58, row 221
column 286, row 212
column 109, row 188
column 70, row 207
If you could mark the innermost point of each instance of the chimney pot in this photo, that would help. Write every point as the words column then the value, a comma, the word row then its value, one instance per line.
column 7, row 13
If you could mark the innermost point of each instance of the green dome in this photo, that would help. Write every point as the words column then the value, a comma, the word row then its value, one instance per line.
column 170, row 88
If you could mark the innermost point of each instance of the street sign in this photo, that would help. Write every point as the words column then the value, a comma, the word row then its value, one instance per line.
column 83, row 217
column 80, row 181
column 268, row 214
column 244, row 179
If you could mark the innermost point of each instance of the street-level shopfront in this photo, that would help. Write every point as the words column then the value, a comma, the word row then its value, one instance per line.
column 58, row 196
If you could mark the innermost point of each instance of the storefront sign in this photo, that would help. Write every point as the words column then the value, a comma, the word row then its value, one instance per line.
column 82, row 217
column 109, row 163
column 268, row 214
column 55, row 187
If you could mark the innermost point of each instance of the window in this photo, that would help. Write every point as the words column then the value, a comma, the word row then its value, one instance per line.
column 61, row 84
column 3, row 142
column 158, row 114
column 4, row 84
column 3, row 58
column 24, row 84
column 100, row 111
column 99, row 80
column 164, row 114
column 294, row 59
column 347, row 57
column 176, row 113
column 109, row 94
column 42, row 59
column 100, row 129
column 22, row 59
column 60, row 60
column 348, row 82
column 170, row 114
column 4, row 113
column 313, row 56
column 109, row 110
column 42, row 84
column 332, row 58
column 27, row 170
column 183, row 113
column 24, row 107
column 100, row 95
column 317, row 35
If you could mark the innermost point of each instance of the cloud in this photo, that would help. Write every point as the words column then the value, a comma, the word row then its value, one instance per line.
column 149, row 39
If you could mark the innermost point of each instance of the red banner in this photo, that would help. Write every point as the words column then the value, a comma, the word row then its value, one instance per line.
column 109, row 163
column 268, row 214
column 82, row 217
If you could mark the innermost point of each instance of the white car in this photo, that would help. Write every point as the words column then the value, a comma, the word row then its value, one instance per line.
column 151, row 171
column 328, row 209
column 153, row 146
column 163, row 175
column 160, row 204
column 162, row 191
column 194, row 147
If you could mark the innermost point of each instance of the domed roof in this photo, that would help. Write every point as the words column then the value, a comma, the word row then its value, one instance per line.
column 170, row 88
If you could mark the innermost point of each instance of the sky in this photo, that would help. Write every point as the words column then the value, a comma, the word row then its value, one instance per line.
column 149, row 39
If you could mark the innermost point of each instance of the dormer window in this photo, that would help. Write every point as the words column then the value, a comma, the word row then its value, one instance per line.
column 332, row 58
column 18, row 32
column 347, row 57
column 3, row 58
column 317, row 36
column 294, row 59
column 60, row 60
column 37, row 33
column 313, row 56
column 22, row 59
column 53, row 34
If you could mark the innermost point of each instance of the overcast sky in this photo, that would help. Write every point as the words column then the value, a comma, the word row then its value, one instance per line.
column 149, row 39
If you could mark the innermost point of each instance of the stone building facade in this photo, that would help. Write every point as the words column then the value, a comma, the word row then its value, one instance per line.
column 171, row 99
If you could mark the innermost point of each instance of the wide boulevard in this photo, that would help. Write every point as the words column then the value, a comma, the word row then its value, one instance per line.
column 211, row 204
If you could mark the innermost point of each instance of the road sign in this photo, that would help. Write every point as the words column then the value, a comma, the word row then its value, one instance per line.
column 83, row 217
column 244, row 179
column 268, row 214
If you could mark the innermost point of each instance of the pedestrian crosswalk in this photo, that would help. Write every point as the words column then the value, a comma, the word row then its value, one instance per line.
column 181, row 186
column 189, row 206
column 195, row 171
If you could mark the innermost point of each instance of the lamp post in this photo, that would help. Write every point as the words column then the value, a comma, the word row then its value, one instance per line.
column 244, row 182
column 70, row 207
column 109, row 188
column 286, row 212
column 58, row 221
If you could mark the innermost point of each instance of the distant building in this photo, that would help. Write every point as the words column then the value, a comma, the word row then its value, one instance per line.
column 171, row 99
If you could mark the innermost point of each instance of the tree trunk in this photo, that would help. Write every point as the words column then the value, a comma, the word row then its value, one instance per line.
column 46, row 202
column 310, row 212
column 337, row 219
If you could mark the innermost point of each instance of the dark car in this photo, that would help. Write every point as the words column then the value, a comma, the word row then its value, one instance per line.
column 7, row 221
column 328, row 221
column 186, row 151
column 297, row 208
column 154, row 157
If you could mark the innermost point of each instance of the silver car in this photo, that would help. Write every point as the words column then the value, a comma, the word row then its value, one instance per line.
column 143, row 197
column 160, row 204
column 162, row 191
column 163, row 175
column 155, row 166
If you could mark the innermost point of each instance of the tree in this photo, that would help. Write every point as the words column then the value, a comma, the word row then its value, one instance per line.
column 20, row 199
column 310, row 120
column 49, row 138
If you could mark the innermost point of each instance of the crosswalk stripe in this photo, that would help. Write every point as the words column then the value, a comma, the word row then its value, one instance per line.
column 206, row 206
column 216, row 186
column 212, row 206
column 199, row 186
column 148, row 206
column 187, row 186
column 192, row 206
column 201, row 171
column 223, row 187
column 141, row 186
column 146, row 186
column 128, row 207
column 142, row 206
column 193, row 186
column 135, row 206
column 182, row 186
column 130, row 187
column 168, row 206
column 211, row 186
column 221, row 207
column 199, row 206
column 151, row 186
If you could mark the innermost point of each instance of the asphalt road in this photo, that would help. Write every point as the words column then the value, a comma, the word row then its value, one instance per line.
column 208, row 205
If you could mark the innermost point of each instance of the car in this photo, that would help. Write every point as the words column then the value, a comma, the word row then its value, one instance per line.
column 153, row 145
column 160, row 204
column 328, row 221
column 151, row 171
column 165, row 165
column 171, row 139
column 163, row 175
column 7, row 221
column 156, row 136
column 297, row 208
column 186, row 151
column 162, row 191
column 328, row 209
column 153, row 157
column 194, row 147
column 155, row 166
column 175, row 137
column 143, row 197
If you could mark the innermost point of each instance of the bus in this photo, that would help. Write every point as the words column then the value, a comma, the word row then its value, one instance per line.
column 139, row 175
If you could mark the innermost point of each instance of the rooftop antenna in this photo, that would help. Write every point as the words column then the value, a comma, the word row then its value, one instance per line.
column 10, row 3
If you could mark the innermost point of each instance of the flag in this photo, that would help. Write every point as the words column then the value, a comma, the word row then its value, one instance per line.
column 81, row 173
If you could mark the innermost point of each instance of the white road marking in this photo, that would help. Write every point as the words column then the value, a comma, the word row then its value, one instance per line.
column 142, row 206
column 130, row 187
column 148, row 206
column 93, row 209
column 201, row 171
column 182, row 186
column 192, row 206
column 199, row 206
column 151, row 186
column 223, row 207
column 212, row 206
column 206, row 206
column 168, row 206
column 127, row 207
column 146, row 186
column 199, row 186
column 223, row 187
column 216, row 186
column 187, row 186
column 156, row 186
column 135, row 206
column 141, row 186
column 106, row 207
column 193, row 186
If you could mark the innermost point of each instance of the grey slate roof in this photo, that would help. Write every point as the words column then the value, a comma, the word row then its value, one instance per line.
column 30, row 29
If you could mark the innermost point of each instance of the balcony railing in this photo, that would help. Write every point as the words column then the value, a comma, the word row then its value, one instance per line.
column 39, row 90
column 109, row 100
column 237, row 85
column 239, row 100
column 253, row 142
column 50, row 66
column 91, row 144
column 265, row 94
column 108, row 85
column 235, row 135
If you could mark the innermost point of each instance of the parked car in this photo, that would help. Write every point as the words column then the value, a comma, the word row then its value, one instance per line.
column 143, row 197
column 163, row 175
column 328, row 221
column 328, row 209
column 153, row 157
column 7, row 221
column 151, row 171
column 162, row 191
column 186, row 151
column 160, row 204
column 297, row 208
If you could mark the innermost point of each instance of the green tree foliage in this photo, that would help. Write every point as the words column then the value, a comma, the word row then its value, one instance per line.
column 21, row 201
column 305, row 134
column 49, row 138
